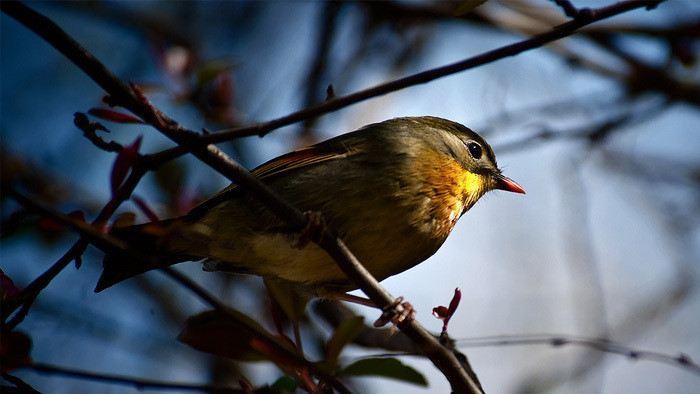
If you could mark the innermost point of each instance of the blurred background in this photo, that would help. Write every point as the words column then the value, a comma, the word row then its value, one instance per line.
column 601, row 129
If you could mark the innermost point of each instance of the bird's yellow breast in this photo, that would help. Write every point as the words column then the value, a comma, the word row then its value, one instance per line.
column 450, row 188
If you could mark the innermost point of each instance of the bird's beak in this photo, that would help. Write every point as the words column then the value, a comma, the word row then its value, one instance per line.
column 505, row 183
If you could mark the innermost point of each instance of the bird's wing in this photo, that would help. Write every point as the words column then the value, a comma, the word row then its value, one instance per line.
column 293, row 160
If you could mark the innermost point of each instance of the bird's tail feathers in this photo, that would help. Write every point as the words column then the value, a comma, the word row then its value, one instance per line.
column 150, row 240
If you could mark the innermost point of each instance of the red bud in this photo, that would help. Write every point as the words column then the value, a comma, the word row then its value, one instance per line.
column 123, row 163
column 114, row 116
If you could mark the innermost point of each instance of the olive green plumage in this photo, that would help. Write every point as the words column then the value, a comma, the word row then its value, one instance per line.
column 391, row 190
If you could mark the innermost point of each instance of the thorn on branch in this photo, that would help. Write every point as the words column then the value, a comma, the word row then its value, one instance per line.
column 330, row 93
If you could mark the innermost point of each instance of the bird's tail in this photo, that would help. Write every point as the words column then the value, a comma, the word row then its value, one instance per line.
column 151, row 241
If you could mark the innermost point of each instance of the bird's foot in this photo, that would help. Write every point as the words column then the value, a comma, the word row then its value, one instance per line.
column 398, row 316
column 315, row 226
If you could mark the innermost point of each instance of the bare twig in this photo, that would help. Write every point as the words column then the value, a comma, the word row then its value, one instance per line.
column 682, row 361
column 29, row 293
column 563, row 30
column 20, row 384
column 140, row 384
column 91, row 234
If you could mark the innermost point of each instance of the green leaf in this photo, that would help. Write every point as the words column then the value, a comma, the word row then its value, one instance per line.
column 285, row 383
column 346, row 332
column 385, row 367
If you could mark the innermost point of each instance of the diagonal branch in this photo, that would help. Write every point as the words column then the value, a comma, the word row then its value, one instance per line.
column 92, row 234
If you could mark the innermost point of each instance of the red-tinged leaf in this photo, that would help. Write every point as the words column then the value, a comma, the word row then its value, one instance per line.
column 455, row 302
column 444, row 313
column 440, row 312
column 309, row 383
column 7, row 286
column 274, row 354
column 14, row 350
column 125, row 160
column 114, row 116
column 215, row 333
column 145, row 208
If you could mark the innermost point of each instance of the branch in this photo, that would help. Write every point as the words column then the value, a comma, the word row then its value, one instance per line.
column 90, row 233
column 683, row 361
column 31, row 291
column 140, row 384
column 555, row 33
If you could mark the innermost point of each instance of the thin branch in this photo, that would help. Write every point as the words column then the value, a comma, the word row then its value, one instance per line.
column 682, row 360
column 555, row 33
column 140, row 384
column 20, row 384
column 31, row 291
column 89, row 233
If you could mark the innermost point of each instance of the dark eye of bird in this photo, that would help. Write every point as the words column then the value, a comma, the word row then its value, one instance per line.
column 474, row 150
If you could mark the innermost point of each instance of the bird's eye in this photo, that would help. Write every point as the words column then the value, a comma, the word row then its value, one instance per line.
column 474, row 150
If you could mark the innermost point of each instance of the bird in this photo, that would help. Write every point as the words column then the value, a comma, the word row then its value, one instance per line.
column 392, row 191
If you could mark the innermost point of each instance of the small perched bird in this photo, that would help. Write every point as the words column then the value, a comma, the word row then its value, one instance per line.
column 392, row 191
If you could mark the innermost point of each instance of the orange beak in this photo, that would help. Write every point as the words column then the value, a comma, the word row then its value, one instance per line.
column 505, row 183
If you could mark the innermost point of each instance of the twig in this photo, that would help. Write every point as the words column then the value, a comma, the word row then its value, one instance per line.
column 140, row 384
column 31, row 291
column 681, row 361
column 92, row 234
column 569, row 9
column 20, row 384
column 555, row 33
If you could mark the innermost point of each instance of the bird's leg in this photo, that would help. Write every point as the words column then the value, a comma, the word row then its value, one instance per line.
column 398, row 317
column 390, row 313
column 315, row 226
